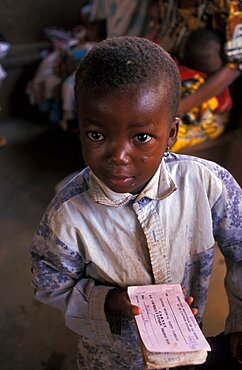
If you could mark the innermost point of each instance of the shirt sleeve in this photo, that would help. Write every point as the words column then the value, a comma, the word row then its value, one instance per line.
column 59, row 280
column 227, row 219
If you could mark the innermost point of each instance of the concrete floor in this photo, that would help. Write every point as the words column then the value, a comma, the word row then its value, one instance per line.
column 32, row 335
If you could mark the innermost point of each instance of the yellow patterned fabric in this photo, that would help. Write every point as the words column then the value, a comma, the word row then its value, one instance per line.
column 210, row 127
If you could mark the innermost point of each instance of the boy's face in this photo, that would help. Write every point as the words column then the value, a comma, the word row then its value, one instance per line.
column 125, row 134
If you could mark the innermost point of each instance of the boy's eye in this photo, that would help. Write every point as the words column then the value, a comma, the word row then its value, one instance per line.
column 143, row 138
column 95, row 135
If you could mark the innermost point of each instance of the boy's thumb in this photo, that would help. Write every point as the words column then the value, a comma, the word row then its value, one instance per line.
column 135, row 310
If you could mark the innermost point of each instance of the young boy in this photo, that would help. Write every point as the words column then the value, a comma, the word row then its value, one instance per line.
column 137, row 214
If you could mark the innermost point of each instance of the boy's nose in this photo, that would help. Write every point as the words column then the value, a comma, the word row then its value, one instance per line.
column 119, row 153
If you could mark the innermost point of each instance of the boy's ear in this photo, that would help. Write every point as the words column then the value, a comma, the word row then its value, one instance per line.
column 173, row 131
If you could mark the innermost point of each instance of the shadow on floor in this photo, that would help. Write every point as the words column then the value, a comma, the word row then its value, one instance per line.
column 37, row 157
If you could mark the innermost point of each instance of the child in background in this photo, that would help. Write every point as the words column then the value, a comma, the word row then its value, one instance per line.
column 168, row 24
column 138, row 214
column 52, row 86
column 200, row 58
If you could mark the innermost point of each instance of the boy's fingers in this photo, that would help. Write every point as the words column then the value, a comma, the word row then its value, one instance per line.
column 194, row 311
column 189, row 300
column 135, row 310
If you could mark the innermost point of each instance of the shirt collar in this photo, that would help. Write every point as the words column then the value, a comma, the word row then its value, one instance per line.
column 159, row 187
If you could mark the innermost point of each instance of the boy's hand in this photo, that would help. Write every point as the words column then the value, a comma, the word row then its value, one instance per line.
column 117, row 300
column 236, row 347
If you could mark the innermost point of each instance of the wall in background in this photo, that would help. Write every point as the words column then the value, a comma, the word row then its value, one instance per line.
column 23, row 21
column 21, row 24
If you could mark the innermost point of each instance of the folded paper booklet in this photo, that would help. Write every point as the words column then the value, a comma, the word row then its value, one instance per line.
column 170, row 335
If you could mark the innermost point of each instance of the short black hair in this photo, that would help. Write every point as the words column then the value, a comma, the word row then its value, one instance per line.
column 125, row 61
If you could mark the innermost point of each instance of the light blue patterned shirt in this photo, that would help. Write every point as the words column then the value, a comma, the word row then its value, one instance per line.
column 92, row 239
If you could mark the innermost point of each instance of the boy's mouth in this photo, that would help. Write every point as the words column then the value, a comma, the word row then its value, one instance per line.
column 120, row 180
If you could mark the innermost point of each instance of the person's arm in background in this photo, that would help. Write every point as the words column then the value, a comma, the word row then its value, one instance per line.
column 212, row 87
